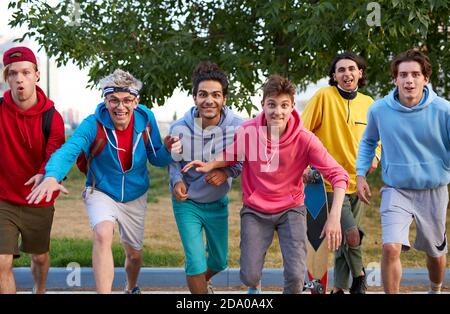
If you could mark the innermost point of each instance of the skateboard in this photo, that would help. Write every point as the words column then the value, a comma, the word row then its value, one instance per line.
column 317, row 249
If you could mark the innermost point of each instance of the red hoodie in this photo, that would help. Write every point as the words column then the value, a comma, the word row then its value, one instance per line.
column 24, row 151
column 272, row 172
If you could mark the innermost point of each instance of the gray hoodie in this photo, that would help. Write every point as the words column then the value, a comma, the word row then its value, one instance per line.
column 203, row 144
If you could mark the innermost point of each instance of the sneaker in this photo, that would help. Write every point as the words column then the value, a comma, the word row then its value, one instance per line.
column 434, row 292
column 340, row 291
column 210, row 287
column 135, row 290
column 359, row 284
column 254, row 291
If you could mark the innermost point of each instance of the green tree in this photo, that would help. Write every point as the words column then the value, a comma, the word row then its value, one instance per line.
column 161, row 41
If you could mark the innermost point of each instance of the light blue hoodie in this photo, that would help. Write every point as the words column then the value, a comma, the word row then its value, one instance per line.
column 415, row 141
column 203, row 144
column 122, row 186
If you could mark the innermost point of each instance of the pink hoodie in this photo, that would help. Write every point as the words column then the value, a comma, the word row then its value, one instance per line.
column 272, row 172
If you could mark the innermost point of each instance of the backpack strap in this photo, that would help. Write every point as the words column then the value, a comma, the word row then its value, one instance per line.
column 47, row 118
column 146, row 134
column 95, row 150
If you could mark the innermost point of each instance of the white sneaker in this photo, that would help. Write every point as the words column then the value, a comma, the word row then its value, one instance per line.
column 210, row 287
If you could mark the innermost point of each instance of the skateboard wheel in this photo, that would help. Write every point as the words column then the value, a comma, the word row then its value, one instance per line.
column 320, row 289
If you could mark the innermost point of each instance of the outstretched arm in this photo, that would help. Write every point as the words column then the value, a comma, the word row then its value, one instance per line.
column 202, row 166
column 45, row 189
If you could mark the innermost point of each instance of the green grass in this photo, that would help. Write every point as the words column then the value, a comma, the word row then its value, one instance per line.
column 65, row 251
column 159, row 183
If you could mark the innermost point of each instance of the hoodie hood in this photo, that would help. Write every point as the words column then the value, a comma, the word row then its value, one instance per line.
column 226, row 118
column 141, row 117
column 427, row 98
column 42, row 105
column 24, row 118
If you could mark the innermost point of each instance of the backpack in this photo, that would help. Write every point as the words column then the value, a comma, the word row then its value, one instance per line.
column 47, row 117
column 83, row 161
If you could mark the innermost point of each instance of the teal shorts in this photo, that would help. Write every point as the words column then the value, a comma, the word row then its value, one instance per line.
column 193, row 219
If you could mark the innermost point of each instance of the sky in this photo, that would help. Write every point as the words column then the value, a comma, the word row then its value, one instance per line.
column 69, row 83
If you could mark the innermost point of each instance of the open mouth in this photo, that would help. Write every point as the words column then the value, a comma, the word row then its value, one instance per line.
column 121, row 114
column 20, row 88
column 348, row 81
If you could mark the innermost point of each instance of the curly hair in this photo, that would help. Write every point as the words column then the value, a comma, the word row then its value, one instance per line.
column 208, row 71
column 349, row 56
column 121, row 79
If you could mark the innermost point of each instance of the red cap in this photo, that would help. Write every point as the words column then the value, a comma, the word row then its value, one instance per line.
column 18, row 54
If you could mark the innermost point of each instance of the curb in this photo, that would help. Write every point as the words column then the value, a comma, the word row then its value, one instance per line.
column 82, row 277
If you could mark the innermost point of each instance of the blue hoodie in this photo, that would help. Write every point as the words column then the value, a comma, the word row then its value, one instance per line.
column 122, row 186
column 415, row 141
column 203, row 144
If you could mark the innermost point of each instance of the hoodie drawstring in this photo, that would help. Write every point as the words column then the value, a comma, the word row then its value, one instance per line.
column 150, row 140
column 107, row 137
column 26, row 136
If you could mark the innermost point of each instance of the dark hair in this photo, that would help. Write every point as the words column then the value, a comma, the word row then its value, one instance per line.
column 208, row 71
column 277, row 85
column 349, row 56
column 412, row 55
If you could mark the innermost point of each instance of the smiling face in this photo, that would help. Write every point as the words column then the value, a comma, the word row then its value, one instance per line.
column 410, row 82
column 277, row 111
column 22, row 78
column 209, row 101
column 120, row 106
column 347, row 74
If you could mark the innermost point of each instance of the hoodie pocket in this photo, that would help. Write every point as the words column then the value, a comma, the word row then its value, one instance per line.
column 424, row 175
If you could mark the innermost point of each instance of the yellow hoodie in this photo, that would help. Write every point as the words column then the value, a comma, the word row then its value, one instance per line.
column 339, row 123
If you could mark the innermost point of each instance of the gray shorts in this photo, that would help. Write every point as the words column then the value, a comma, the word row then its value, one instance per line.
column 399, row 207
column 257, row 232
column 130, row 216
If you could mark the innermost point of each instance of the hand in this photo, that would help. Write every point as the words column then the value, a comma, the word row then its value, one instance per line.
column 363, row 189
column 216, row 177
column 179, row 191
column 173, row 144
column 46, row 188
column 35, row 180
column 306, row 173
column 332, row 230
column 373, row 166
column 200, row 166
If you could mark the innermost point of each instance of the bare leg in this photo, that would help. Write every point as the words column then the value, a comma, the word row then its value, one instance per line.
column 7, row 282
column 391, row 267
column 133, row 264
column 436, row 270
column 40, row 264
column 198, row 283
column 102, row 258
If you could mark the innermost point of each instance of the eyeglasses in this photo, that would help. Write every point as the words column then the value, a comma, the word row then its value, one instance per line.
column 115, row 102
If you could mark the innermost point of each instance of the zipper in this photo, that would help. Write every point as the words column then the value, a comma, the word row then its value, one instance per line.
column 348, row 110
column 123, row 184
